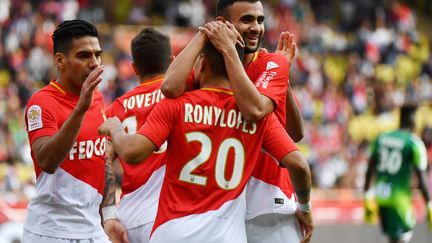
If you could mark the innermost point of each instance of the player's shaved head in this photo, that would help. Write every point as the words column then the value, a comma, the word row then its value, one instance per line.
column 69, row 30
column 223, row 5
column 151, row 52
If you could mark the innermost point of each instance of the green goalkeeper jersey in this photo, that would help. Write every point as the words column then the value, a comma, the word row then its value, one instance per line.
column 397, row 153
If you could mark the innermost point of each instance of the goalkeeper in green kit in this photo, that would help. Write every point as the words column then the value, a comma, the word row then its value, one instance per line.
column 395, row 157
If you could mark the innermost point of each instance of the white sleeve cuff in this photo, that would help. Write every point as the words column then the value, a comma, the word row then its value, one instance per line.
column 109, row 212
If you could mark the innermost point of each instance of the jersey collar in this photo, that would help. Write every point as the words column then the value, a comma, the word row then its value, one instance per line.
column 57, row 86
column 254, row 58
column 156, row 79
column 219, row 90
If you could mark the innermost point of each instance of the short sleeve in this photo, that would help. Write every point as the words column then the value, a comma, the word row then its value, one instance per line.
column 40, row 119
column 272, row 78
column 160, row 121
column 276, row 140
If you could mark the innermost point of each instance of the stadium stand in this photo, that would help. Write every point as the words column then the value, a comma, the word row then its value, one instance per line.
column 357, row 62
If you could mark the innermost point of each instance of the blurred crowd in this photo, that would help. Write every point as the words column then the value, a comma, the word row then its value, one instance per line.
column 357, row 62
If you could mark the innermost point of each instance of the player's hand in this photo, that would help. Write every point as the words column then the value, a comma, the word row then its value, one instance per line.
column 89, row 85
column 220, row 35
column 306, row 224
column 239, row 38
column 286, row 46
column 116, row 232
column 429, row 215
column 110, row 126
column 370, row 211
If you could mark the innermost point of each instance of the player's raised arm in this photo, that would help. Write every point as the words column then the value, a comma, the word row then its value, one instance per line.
column 174, row 83
column 50, row 151
column 133, row 148
column 294, row 126
column 251, row 103
column 294, row 120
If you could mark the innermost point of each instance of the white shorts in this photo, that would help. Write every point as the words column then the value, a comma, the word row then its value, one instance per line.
column 140, row 234
column 29, row 237
column 275, row 228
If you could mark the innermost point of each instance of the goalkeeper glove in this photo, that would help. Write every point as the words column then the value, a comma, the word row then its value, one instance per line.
column 370, row 209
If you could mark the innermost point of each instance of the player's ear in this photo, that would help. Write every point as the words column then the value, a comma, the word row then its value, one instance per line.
column 171, row 59
column 135, row 68
column 201, row 63
column 59, row 60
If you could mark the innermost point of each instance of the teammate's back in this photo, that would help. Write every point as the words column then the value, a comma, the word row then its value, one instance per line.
column 211, row 154
column 141, row 183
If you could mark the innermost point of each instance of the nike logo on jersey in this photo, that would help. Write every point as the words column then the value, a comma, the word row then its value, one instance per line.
column 271, row 65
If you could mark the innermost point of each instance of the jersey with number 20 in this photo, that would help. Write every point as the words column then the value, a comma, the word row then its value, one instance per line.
column 211, row 154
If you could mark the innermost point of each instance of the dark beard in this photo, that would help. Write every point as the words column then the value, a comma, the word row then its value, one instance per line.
column 253, row 50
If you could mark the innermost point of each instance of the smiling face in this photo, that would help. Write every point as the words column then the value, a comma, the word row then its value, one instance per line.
column 248, row 19
column 74, row 66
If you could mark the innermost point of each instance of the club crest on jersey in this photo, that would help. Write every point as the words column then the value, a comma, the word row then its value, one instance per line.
column 34, row 118
column 271, row 65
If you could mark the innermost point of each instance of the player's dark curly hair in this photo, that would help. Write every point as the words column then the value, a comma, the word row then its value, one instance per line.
column 151, row 52
column 216, row 61
column 222, row 6
column 69, row 30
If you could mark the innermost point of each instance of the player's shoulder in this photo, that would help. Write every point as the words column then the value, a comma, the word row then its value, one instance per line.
column 43, row 96
column 416, row 140
column 191, row 94
column 269, row 119
column 271, row 61
column 124, row 96
column 271, row 56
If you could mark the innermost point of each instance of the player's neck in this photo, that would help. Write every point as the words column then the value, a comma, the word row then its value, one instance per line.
column 248, row 58
column 216, row 82
column 150, row 77
column 68, row 87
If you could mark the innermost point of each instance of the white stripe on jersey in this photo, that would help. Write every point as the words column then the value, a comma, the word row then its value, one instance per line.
column 64, row 207
column 140, row 206
column 224, row 225
column 258, row 205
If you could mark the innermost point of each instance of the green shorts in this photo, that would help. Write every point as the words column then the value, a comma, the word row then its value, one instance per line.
column 396, row 221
